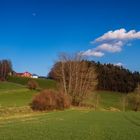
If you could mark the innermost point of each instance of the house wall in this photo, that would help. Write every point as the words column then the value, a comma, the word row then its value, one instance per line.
column 25, row 74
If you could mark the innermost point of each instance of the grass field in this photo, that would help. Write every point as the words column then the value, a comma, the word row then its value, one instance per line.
column 43, row 83
column 19, row 122
column 106, row 99
column 9, row 86
column 72, row 125
column 14, row 95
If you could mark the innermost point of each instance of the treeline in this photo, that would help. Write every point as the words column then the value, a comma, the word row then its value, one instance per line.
column 116, row 78
column 111, row 77
column 5, row 69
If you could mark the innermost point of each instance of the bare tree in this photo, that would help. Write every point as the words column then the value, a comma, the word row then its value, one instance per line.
column 5, row 68
column 76, row 76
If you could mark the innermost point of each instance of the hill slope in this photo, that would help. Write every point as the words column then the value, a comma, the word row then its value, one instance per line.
column 14, row 95
column 43, row 83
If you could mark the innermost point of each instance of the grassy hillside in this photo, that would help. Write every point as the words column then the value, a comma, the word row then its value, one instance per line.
column 17, row 122
column 43, row 83
column 105, row 100
column 72, row 125
column 9, row 86
column 14, row 95
column 110, row 99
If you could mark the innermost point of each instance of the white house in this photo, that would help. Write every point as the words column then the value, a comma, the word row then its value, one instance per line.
column 34, row 76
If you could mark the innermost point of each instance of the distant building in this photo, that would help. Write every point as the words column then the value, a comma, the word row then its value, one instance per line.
column 43, row 77
column 25, row 74
column 35, row 76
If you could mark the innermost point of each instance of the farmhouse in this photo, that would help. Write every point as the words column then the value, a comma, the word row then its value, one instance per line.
column 25, row 74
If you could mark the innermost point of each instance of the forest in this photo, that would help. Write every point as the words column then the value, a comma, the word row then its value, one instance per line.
column 111, row 77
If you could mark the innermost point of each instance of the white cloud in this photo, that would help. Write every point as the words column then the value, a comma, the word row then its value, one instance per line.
column 91, row 52
column 120, row 34
column 129, row 44
column 112, row 42
column 110, row 47
column 118, row 64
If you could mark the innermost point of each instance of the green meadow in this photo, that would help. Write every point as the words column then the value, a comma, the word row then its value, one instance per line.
column 42, row 83
column 19, row 122
column 14, row 95
column 72, row 125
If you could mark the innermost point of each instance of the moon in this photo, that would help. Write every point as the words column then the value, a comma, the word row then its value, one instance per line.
column 33, row 14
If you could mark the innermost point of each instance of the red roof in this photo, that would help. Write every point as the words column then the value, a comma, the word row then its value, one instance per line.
column 24, row 74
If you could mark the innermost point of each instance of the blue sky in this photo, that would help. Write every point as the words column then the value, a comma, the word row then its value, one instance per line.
column 33, row 32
